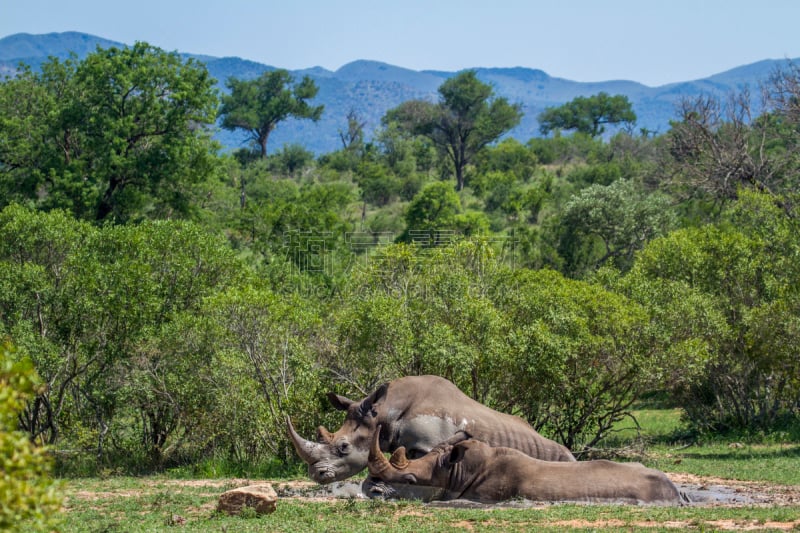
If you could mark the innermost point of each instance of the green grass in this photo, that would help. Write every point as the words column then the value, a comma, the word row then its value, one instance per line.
column 656, row 425
column 174, row 502
column 773, row 463
column 142, row 504
column 671, row 447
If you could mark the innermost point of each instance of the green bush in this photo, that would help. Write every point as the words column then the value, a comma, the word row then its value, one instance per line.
column 378, row 186
column 749, row 270
column 577, row 361
column 28, row 497
column 432, row 213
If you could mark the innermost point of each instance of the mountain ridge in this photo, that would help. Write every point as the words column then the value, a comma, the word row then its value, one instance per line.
column 371, row 87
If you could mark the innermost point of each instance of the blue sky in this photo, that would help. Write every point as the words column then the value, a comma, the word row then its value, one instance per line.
column 650, row 41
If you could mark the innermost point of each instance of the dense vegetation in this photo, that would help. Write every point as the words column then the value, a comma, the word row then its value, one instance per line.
column 28, row 495
column 177, row 302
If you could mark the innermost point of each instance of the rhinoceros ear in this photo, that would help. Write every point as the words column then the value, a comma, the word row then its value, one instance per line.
column 339, row 402
column 380, row 392
column 457, row 453
column 460, row 436
column 368, row 404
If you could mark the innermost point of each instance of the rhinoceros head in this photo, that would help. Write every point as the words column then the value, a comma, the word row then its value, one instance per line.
column 339, row 455
column 432, row 469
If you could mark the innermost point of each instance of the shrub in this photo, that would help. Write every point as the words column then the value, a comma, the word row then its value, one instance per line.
column 750, row 272
column 576, row 359
column 28, row 498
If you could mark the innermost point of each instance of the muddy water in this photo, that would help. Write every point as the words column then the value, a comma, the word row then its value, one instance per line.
column 698, row 495
column 721, row 495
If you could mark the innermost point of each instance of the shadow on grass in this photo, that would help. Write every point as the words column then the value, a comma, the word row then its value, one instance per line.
column 87, row 465
column 675, row 437
column 737, row 454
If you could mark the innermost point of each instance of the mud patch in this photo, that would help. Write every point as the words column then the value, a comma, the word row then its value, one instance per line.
column 701, row 491
column 314, row 491
column 711, row 491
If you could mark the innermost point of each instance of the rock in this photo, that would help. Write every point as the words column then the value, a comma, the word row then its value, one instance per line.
column 262, row 498
column 176, row 520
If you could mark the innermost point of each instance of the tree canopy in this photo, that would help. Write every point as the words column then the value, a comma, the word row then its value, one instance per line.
column 588, row 114
column 113, row 136
column 466, row 118
column 257, row 106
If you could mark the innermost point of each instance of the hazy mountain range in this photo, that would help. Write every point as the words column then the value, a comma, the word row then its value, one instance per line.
column 371, row 88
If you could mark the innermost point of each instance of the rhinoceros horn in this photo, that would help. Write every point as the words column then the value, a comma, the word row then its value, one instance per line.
column 377, row 461
column 399, row 459
column 309, row 451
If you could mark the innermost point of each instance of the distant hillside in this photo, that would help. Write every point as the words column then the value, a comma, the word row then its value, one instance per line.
column 35, row 49
column 371, row 88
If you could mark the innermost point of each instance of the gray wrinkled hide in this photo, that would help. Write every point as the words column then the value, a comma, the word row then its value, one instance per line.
column 473, row 470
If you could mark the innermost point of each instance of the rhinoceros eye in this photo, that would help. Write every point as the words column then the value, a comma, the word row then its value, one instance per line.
column 344, row 447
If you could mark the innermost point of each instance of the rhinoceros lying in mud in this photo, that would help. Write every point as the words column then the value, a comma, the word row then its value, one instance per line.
column 474, row 470
column 416, row 412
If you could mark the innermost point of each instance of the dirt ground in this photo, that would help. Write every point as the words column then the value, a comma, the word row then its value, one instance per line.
column 705, row 491
column 702, row 491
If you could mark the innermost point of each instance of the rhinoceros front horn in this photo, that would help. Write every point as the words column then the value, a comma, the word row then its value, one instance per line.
column 377, row 463
column 309, row 451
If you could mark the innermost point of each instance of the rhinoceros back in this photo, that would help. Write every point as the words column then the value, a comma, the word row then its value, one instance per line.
column 415, row 402
column 513, row 432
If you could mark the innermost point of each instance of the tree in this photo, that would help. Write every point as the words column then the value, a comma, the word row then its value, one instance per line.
column 93, row 307
column 508, row 156
column 720, row 147
column 257, row 106
column 273, row 337
column 782, row 92
column 291, row 158
column 717, row 148
column 378, row 185
column 413, row 312
column 353, row 138
column 610, row 223
column 143, row 110
column 466, row 119
column 116, row 136
column 40, row 138
column 587, row 114
column 576, row 361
